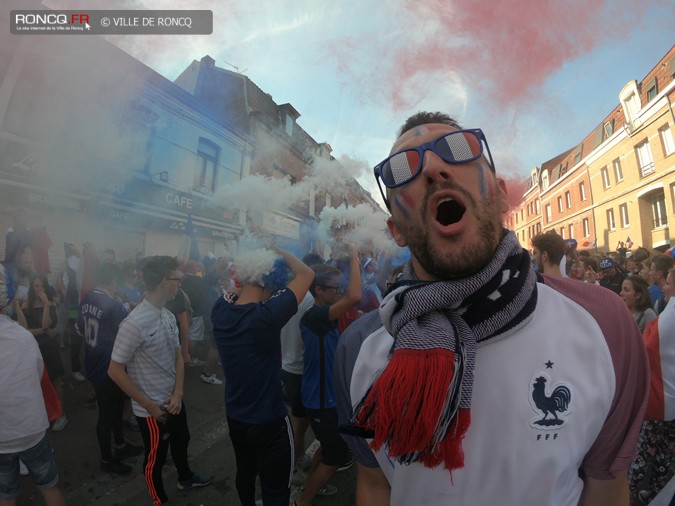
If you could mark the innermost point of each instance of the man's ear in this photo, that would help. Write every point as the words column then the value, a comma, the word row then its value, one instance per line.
column 544, row 257
column 393, row 229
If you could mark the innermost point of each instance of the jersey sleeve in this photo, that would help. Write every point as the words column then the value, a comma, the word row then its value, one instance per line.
column 281, row 307
column 614, row 449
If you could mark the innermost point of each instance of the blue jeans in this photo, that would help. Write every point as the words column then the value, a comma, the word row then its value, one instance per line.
column 40, row 463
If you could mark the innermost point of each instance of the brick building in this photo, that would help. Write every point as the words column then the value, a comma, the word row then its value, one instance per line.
column 618, row 182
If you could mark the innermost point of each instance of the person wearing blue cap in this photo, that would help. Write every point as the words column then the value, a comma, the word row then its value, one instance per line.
column 612, row 275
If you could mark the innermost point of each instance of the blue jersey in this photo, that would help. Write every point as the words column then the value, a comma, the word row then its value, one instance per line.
column 249, row 344
column 320, row 337
column 99, row 317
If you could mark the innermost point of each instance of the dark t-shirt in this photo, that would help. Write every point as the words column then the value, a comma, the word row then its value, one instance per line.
column 613, row 282
column 249, row 344
column 99, row 318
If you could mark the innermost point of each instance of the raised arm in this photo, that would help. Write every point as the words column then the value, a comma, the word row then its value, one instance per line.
column 353, row 294
column 303, row 274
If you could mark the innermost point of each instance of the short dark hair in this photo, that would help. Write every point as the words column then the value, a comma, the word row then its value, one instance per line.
column 663, row 263
column 589, row 261
column 156, row 268
column 424, row 117
column 322, row 275
column 312, row 259
column 640, row 255
column 551, row 243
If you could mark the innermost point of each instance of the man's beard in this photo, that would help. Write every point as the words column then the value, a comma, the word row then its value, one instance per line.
column 470, row 258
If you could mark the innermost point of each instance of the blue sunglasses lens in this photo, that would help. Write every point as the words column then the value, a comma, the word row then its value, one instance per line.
column 455, row 147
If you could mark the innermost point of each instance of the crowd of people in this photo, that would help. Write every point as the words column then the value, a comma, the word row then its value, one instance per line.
column 646, row 283
column 474, row 358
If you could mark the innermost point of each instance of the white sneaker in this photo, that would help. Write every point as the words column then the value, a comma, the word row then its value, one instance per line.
column 211, row 379
column 59, row 423
column 196, row 362
column 77, row 375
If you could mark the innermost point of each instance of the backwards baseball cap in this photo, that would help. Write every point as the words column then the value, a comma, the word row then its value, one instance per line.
column 607, row 263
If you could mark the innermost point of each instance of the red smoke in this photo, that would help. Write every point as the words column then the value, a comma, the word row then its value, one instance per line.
column 515, row 186
column 504, row 50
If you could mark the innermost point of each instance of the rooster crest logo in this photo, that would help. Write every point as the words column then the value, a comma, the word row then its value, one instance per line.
column 551, row 405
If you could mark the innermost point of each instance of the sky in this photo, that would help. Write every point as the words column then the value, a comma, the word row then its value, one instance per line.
column 536, row 76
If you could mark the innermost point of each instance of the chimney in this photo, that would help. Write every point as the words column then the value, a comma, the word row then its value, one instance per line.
column 208, row 61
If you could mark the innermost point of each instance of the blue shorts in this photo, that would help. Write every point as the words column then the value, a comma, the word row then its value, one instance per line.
column 40, row 463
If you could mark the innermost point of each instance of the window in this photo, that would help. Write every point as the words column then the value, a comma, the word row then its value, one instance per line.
column 562, row 232
column 571, row 229
column 548, row 213
column 288, row 125
column 618, row 172
column 658, row 202
column 652, row 89
column 539, row 228
column 609, row 128
column 516, row 217
column 645, row 160
column 568, row 199
column 610, row 219
column 560, row 206
column 666, row 135
column 587, row 228
column 623, row 210
column 537, row 205
column 522, row 215
column 206, row 173
column 606, row 183
column 632, row 106
column 544, row 180
column 582, row 191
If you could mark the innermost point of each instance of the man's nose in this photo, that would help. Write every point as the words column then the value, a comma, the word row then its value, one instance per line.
column 434, row 168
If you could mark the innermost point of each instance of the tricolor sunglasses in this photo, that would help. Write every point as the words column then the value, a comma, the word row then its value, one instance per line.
column 460, row 146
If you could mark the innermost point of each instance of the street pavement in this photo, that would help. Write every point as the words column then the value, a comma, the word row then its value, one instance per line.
column 210, row 451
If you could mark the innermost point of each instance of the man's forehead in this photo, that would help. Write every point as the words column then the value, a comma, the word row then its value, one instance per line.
column 419, row 135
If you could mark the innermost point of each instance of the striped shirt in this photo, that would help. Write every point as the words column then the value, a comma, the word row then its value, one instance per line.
column 146, row 343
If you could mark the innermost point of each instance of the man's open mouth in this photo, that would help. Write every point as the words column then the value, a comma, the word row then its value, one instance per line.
column 449, row 211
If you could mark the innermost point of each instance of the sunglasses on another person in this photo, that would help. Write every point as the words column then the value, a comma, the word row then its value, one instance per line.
column 461, row 146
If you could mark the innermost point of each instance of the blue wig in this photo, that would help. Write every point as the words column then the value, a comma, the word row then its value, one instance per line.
column 278, row 277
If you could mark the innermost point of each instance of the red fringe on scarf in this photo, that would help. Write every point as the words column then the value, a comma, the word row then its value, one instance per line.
column 405, row 404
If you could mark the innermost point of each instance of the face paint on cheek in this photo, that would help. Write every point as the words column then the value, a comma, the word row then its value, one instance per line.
column 404, row 204
column 486, row 190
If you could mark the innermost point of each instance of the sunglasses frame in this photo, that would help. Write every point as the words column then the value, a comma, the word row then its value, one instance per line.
column 431, row 146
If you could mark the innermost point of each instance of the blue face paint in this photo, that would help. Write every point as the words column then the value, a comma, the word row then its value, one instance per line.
column 402, row 207
column 483, row 185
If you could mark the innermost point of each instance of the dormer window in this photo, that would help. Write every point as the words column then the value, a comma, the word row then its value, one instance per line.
column 630, row 100
column 288, row 125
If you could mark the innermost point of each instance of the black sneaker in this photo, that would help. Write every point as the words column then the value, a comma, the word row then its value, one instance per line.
column 197, row 480
column 115, row 467
column 128, row 450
